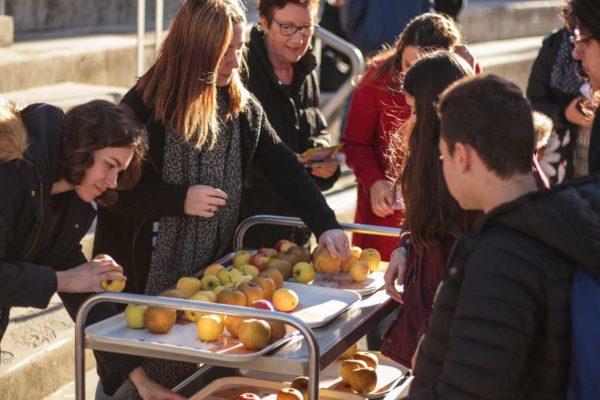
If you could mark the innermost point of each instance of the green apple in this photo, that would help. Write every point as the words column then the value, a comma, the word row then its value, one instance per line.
column 303, row 272
column 250, row 270
column 241, row 258
column 241, row 278
column 210, row 282
column 226, row 275
column 188, row 285
column 134, row 315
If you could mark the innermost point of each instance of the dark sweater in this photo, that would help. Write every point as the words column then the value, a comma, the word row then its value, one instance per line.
column 501, row 325
column 124, row 229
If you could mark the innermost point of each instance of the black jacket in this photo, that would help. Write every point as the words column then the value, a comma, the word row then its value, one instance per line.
column 32, row 245
column 550, row 100
column 501, row 324
column 594, row 151
column 124, row 229
column 295, row 116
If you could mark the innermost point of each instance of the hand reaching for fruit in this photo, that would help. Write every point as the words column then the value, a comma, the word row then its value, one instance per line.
column 204, row 201
column 395, row 274
column 88, row 277
column 336, row 241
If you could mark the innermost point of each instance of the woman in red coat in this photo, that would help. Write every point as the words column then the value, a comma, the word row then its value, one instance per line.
column 378, row 108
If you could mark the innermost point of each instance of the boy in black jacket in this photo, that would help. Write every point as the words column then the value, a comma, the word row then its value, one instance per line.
column 501, row 323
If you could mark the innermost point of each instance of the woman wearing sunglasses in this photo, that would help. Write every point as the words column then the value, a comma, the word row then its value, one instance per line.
column 281, row 74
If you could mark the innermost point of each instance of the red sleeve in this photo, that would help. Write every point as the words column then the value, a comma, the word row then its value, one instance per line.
column 360, row 135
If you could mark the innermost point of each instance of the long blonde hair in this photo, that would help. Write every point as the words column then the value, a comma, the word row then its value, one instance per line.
column 181, row 85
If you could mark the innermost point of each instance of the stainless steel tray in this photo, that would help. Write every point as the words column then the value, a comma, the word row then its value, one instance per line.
column 182, row 340
column 231, row 387
column 320, row 305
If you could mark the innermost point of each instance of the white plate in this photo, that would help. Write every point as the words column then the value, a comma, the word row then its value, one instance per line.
column 343, row 280
column 320, row 305
column 231, row 387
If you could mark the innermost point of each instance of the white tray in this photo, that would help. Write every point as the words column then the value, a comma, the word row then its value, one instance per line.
column 319, row 305
column 390, row 375
column 231, row 387
column 182, row 339
column 343, row 280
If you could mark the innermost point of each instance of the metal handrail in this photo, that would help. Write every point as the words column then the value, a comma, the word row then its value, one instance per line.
column 2, row 7
column 358, row 68
column 141, row 31
column 189, row 305
column 238, row 238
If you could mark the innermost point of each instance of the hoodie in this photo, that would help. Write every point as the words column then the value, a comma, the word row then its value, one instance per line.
column 501, row 324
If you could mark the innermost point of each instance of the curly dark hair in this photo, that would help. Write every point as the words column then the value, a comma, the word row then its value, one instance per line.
column 585, row 13
column 266, row 8
column 93, row 126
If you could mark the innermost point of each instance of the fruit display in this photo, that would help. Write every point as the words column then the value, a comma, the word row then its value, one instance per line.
column 359, row 372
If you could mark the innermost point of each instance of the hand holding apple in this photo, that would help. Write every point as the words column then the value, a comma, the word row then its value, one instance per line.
column 336, row 241
column 117, row 283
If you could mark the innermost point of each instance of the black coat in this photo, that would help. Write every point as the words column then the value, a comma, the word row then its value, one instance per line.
column 501, row 325
column 594, row 151
column 33, row 242
column 295, row 116
column 124, row 230
column 550, row 100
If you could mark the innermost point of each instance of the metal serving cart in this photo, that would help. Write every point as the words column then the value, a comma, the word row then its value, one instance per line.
column 304, row 354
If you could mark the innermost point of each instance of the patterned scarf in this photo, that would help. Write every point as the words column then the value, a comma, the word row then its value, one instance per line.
column 187, row 244
column 564, row 70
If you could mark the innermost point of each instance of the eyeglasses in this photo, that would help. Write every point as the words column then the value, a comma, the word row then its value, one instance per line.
column 579, row 42
column 288, row 29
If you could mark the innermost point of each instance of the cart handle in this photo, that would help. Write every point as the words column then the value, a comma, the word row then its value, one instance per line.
column 190, row 305
column 238, row 239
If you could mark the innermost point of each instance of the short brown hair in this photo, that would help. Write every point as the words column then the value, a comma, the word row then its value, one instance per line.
column 266, row 8
column 93, row 126
column 493, row 116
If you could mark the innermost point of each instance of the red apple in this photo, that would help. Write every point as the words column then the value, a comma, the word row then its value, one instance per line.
column 259, row 261
column 267, row 251
column 263, row 305
column 283, row 245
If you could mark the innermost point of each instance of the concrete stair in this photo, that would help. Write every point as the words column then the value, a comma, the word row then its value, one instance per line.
column 89, row 60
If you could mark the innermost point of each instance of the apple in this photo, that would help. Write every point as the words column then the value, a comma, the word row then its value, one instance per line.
column 103, row 256
column 248, row 396
column 349, row 366
column 252, row 290
column 267, row 252
column 302, row 253
column 159, row 320
column 273, row 274
column 303, row 272
column 213, row 269
column 188, row 285
column 241, row 258
column 268, row 286
column 210, row 295
column 283, row 245
column 210, row 282
column 349, row 352
column 354, row 256
column 250, row 269
column 278, row 330
column 324, row 262
column 285, row 299
column 114, row 285
column 369, row 358
column 263, row 304
column 232, row 297
column 210, row 327
column 134, row 315
column 372, row 257
column 359, row 271
column 289, row 394
column 254, row 333
column 174, row 294
column 363, row 380
column 288, row 256
column 218, row 289
column 260, row 261
column 226, row 275
column 283, row 266
column 301, row 384
column 232, row 323
column 195, row 315
column 241, row 277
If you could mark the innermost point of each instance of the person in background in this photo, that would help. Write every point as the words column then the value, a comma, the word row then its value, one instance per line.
column 555, row 89
column 500, row 327
column 282, row 76
column 53, row 165
column 378, row 108
column 370, row 24
column 433, row 218
column 584, row 15
column 204, row 135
